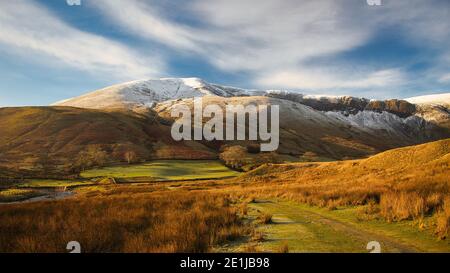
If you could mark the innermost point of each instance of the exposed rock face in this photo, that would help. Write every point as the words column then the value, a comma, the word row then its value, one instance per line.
column 348, row 104
column 400, row 108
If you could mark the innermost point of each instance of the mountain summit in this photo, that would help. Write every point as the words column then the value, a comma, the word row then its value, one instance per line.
column 148, row 92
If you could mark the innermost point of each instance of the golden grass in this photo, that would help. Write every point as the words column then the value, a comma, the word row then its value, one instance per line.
column 443, row 220
column 122, row 222
column 397, row 206
column 284, row 248
column 258, row 236
column 132, row 218
column 401, row 184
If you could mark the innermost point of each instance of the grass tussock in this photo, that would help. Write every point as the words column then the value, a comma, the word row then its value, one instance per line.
column 251, row 249
column 265, row 218
column 403, row 206
column 284, row 248
column 258, row 236
column 147, row 222
column 443, row 220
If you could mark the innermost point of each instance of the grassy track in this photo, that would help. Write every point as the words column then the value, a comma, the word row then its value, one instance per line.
column 310, row 229
column 165, row 170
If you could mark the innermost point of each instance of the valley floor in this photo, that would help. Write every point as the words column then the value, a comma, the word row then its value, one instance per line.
column 400, row 198
column 293, row 227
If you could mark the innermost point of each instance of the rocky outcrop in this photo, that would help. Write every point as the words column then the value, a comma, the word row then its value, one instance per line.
column 400, row 108
column 348, row 104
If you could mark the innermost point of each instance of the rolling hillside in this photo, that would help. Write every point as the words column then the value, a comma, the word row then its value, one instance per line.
column 36, row 136
column 421, row 170
column 304, row 129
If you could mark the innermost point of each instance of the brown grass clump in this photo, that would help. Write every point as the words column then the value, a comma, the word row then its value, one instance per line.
column 369, row 212
column 265, row 218
column 332, row 205
column 402, row 206
column 251, row 249
column 258, row 236
column 244, row 209
column 142, row 222
column 284, row 248
column 443, row 220
column 251, row 199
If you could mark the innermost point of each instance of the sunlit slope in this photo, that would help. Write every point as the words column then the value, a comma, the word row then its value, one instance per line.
column 59, row 134
column 417, row 156
column 421, row 169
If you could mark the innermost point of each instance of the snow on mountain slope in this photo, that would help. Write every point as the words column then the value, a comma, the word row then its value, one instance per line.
column 148, row 92
column 398, row 118
column 389, row 123
column 443, row 98
column 303, row 128
column 433, row 108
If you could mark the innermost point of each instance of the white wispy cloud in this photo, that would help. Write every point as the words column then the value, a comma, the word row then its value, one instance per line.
column 29, row 29
column 261, row 38
column 322, row 79
column 277, row 42
column 244, row 35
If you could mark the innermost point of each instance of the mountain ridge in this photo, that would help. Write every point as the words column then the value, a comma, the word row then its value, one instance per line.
column 147, row 93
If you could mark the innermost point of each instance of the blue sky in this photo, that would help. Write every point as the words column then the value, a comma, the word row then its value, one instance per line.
column 51, row 51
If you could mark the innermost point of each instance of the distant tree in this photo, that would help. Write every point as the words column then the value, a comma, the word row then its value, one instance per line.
column 92, row 157
column 234, row 156
column 97, row 156
column 130, row 156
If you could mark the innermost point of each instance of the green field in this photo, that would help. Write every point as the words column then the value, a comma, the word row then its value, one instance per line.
column 15, row 195
column 166, row 170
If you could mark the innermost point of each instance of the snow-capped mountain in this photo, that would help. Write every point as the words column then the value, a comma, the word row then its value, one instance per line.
column 396, row 121
column 148, row 92
column 324, row 127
